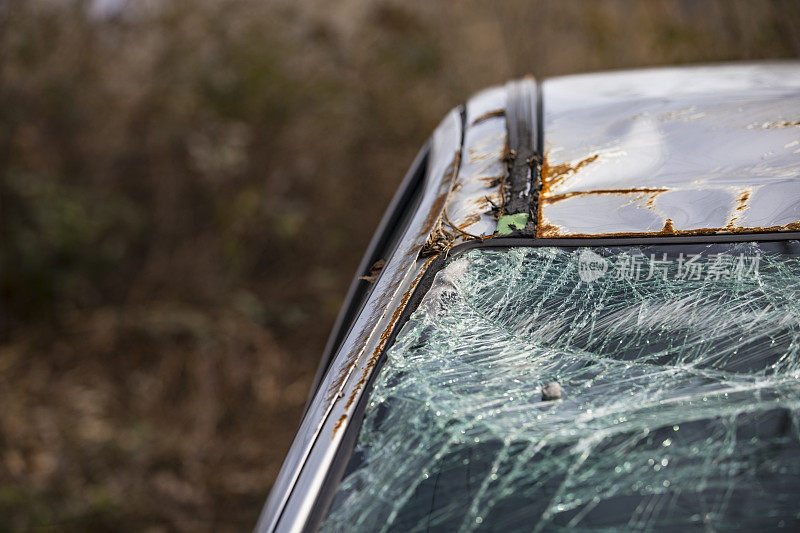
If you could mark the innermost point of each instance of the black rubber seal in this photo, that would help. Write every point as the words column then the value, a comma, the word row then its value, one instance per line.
column 523, row 157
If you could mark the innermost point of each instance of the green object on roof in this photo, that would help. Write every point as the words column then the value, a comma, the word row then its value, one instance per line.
column 509, row 223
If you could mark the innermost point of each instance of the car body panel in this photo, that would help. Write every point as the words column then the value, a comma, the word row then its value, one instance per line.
column 706, row 149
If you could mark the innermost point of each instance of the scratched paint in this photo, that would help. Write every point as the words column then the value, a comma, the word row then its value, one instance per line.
column 710, row 149
column 470, row 206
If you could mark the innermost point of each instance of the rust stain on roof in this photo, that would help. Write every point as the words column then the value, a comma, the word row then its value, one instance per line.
column 439, row 239
column 492, row 181
column 437, row 234
column 470, row 220
column 436, row 241
column 435, row 212
column 741, row 201
column 741, row 205
column 637, row 190
column 430, row 225
column 445, row 189
column 480, row 155
column 555, row 175
column 546, row 230
column 384, row 338
column 353, row 356
column 489, row 201
column 490, row 204
column 338, row 425
column 651, row 202
column 490, row 114
column 777, row 124
column 551, row 231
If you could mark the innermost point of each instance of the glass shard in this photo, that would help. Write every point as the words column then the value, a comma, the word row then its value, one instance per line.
column 677, row 368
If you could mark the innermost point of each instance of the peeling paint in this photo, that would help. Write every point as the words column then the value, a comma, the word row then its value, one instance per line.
column 553, row 176
column 432, row 221
column 469, row 207
column 741, row 205
column 652, row 193
column 339, row 423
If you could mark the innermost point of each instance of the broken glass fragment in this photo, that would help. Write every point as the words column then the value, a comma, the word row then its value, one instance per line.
column 678, row 367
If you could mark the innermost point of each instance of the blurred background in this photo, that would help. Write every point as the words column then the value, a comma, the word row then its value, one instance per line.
column 186, row 190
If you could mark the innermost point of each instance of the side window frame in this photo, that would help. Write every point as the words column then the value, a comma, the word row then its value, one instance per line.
column 384, row 240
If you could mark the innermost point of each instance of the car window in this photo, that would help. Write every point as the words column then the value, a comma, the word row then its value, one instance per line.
column 671, row 394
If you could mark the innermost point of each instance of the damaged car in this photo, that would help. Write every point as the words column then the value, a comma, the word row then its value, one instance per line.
column 580, row 312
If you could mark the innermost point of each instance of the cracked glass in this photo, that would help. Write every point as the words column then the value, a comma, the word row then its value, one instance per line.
column 676, row 406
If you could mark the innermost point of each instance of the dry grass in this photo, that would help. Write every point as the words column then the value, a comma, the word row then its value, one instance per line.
column 186, row 191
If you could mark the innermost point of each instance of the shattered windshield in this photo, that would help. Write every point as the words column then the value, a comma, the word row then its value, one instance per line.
column 543, row 388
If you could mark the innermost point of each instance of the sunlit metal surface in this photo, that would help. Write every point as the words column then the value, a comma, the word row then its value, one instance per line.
column 477, row 189
column 672, row 151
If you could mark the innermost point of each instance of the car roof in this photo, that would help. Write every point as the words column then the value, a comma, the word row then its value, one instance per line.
column 708, row 149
